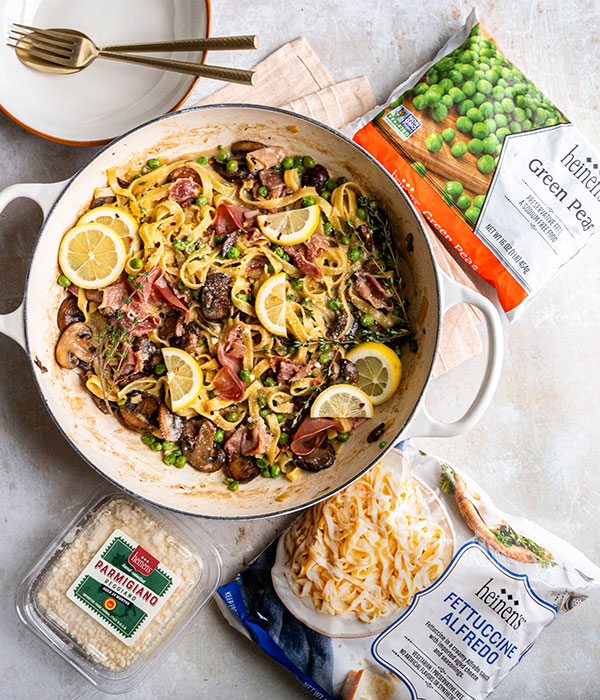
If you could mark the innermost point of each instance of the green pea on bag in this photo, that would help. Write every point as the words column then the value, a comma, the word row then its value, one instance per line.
column 494, row 166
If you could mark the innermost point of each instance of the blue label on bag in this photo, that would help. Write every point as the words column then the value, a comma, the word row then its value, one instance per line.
column 403, row 122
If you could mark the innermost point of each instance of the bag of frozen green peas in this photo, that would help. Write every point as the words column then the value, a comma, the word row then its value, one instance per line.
column 491, row 162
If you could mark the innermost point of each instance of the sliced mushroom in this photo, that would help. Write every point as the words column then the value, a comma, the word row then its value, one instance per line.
column 138, row 416
column 184, row 172
column 242, row 469
column 190, row 340
column 246, row 146
column 74, row 347
column 198, row 445
column 172, row 327
column 68, row 313
column 376, row 433
column 316, row 177
column 170, row 424
column 215, row 296
column 348, row 373
column 96, row 295
column 320, row 458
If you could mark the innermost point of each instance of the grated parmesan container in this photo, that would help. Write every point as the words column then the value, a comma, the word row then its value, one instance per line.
column 115, row 587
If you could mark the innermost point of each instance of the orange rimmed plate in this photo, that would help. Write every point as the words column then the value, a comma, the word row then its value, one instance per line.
column 108, row 98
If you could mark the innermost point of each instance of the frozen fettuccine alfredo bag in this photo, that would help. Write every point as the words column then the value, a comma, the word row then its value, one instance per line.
column 410, row 583
column 491, row 162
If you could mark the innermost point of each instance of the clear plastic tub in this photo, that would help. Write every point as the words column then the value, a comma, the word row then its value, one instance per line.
column 115, row 587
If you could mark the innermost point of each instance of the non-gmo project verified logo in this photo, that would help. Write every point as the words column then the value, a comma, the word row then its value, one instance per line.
column 403, row 122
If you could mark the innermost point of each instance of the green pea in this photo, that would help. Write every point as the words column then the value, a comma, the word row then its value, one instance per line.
column 489, row 144
column 433, row 143
column 266, row 473
column 156, row 446
column 231, row 416
column 498, row 92
column 508, row 92
column 233, row 253
column 479, row 200
column 467, row 71
column 232, row 166
column 264, row 412
column 148, row 439
column 507, row 104
column 367, row 320
column 453, row 188
column 491, row 125
column 420, row 88
column 472, row 214
column 269, row 381
column 334, row 304
column 455, row 76
column 219, row 435
column 153, row 163
column 464, row 106
column 464, row 124
column 242, row 297
column 478, row 75
column 448, row 135
column 298, row 162
column 343, row 437
column 502, row 133
column 420, row 102
column 433, row 95
column 469, row 88
column 475, row 146
column 136, row 263
column 474, row 114
column 180, row 462
column 202, row 160
column 446, row 102
column 480, row 130
column 327, row 227
column 552, row 121
column 308, row 201
column 519, row 114
column 478, row 99
column 283, row 439
column 296, row 284
column 288, row 163
column 501, row 120
column 354, row 254
column 487, row 109
column 439, row 112
column 64, row 281
column 540, row 115
column 515, row 127
column 456, row 94
column 382, row 444
column 245, row 375
column 492, row 76
column 308, row 162
column 484, row 86
column 160, row 369
column 262, row 463
column 233, row 485
column 169, row 459
column 486, row 164
column 275, row 471
column 463, row 202
column 263, row 191
column 201, row 200
column 222, row 156
column 458, row 149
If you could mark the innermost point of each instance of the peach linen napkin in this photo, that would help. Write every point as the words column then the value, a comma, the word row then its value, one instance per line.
column 294, row 78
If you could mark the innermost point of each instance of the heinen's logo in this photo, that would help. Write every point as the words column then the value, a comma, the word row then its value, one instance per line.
column 502, row 603
column 142, row 561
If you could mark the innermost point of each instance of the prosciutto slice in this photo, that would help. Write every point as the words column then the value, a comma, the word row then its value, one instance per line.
column 315, row 244
column 289, row 369
column 233, row 217
column 147, row 282
column 371, row 290
column 184, row 191
column 248, row 442
column 273, row 181
column 311, row 433
column 296, row 253
column 172, row 297
column 227, row 383
column 266, row 157
column 115, row 296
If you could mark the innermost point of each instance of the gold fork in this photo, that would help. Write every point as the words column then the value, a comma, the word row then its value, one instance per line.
column 72, row 51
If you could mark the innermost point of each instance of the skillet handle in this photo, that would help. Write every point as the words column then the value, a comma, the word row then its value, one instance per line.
column 45, row 194
column 423, row 424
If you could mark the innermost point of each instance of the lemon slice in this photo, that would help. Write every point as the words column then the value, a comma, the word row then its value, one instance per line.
column 184, row 377
column 290, row 227
column 271, row 304
column 342, row 401
column 119, row 220
column 92, row 255
column 379, row 370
